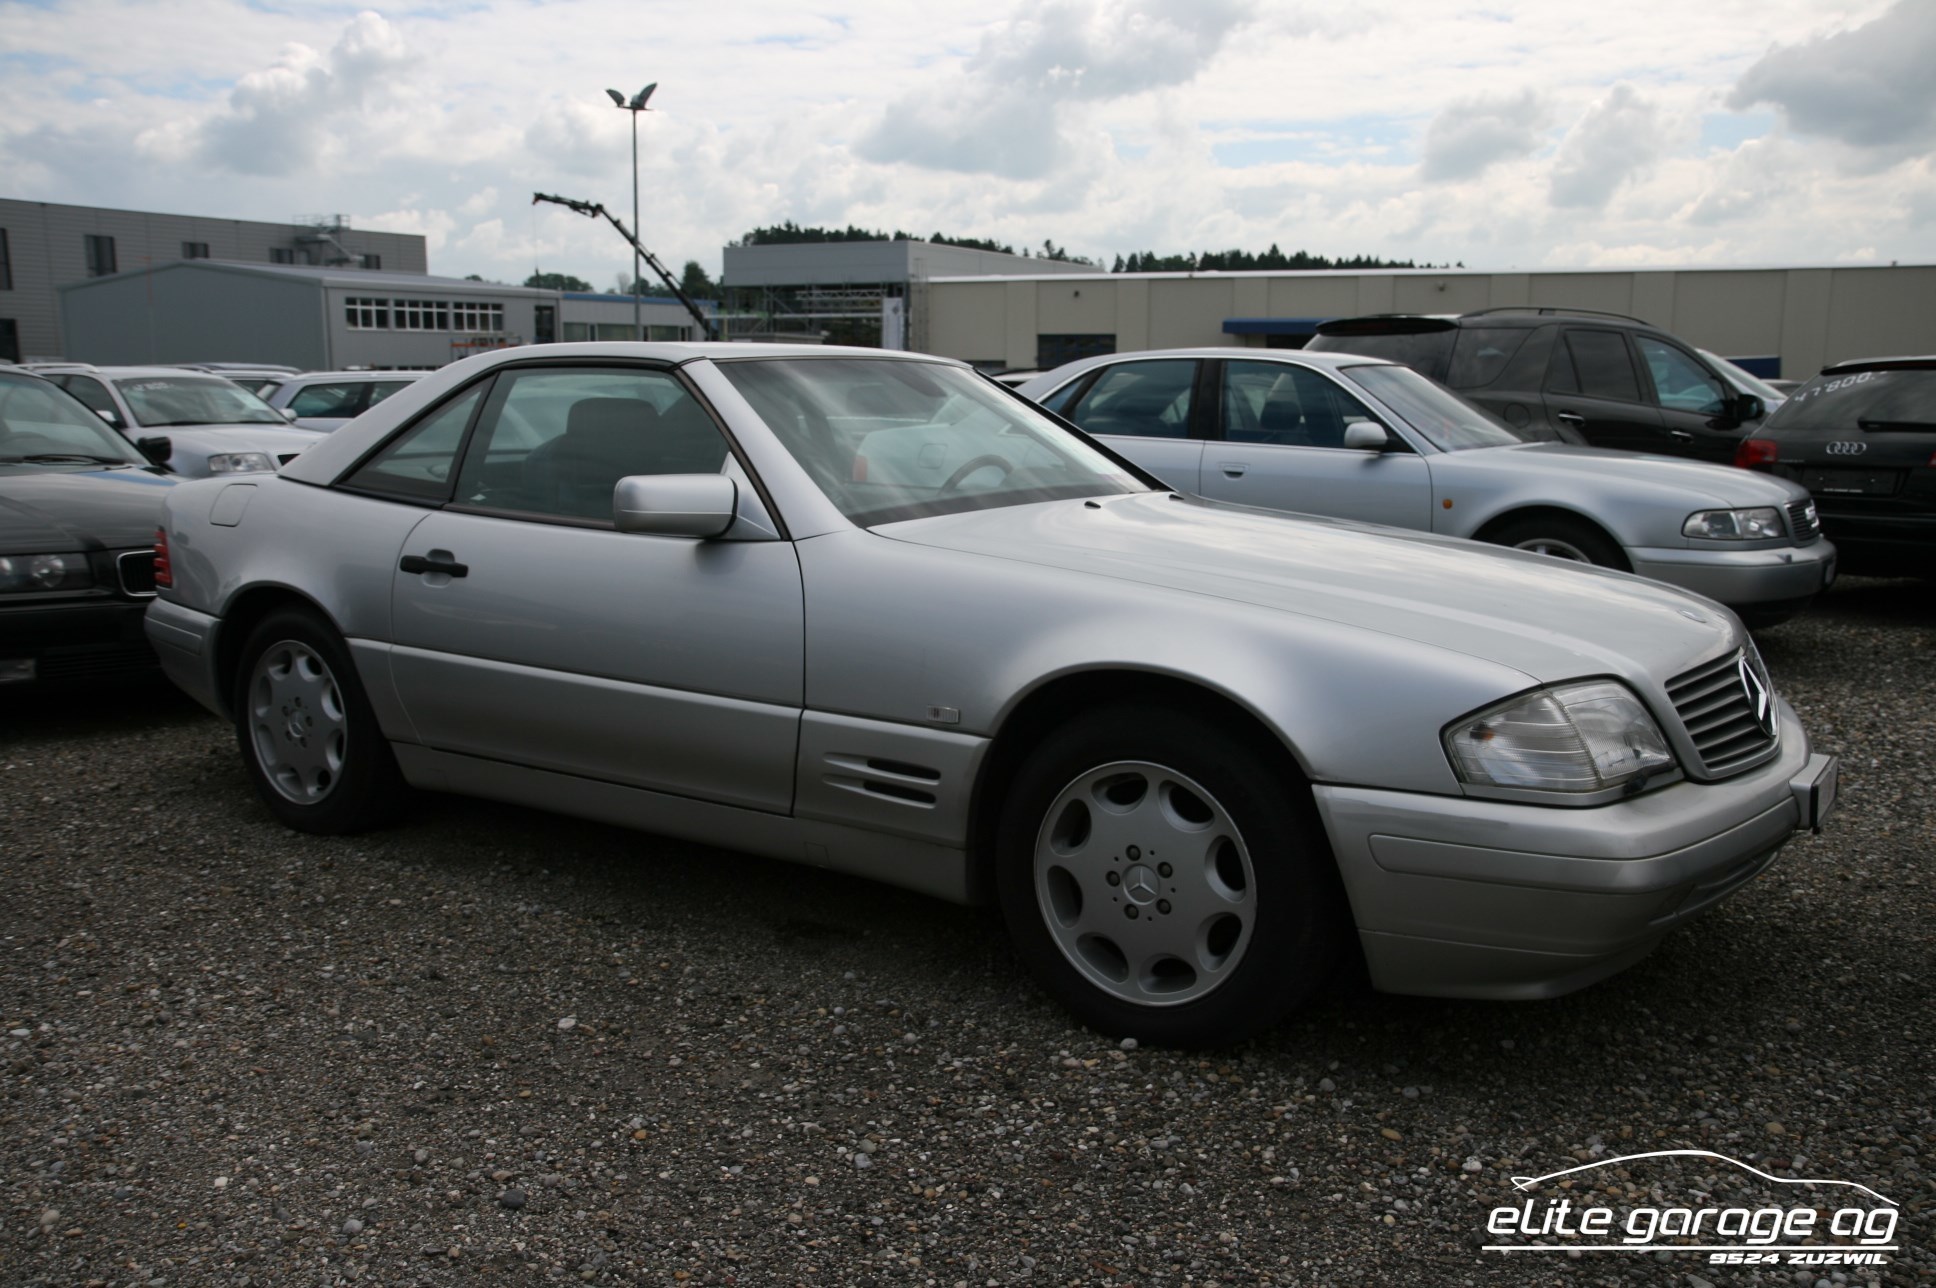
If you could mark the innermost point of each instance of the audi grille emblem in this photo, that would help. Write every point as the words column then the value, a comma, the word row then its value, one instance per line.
column 1847, row 449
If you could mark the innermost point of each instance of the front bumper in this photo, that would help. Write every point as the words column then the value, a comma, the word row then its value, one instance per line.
column 1743, row 578
column 1462, row 897
column 73, row 642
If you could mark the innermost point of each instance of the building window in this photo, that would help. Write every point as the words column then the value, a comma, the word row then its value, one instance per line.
column 577, row 331
column 9, row 341
column 367, row 314
column 1054, row 350
column 6, row 263
column 373, row 261
column 282, row 255
column 421, row 315
column 100, row 254
column 478, row 319
column 194, row 250
column 655, row 332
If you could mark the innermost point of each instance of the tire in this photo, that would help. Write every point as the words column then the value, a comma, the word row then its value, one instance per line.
column 1562, row 538
column 1243, row 923
column 306, row 730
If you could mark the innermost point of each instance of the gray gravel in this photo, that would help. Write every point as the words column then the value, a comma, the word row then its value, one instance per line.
column 494, row 1046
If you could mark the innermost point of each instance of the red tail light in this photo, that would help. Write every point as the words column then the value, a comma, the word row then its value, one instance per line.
column 1756, row 451
column 163, row 576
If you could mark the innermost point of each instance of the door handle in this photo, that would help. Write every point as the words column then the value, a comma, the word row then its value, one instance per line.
column 417, row 563
column 1234, row 469
column 1680, row 435
column 1572, row 418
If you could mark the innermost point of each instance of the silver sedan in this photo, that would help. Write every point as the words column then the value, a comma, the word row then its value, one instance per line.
column 1360, row 438
column 871, row 612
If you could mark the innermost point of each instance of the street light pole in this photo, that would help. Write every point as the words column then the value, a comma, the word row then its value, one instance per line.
column 635, row 106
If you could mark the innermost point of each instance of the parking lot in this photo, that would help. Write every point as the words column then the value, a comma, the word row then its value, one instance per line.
column 492, row 1045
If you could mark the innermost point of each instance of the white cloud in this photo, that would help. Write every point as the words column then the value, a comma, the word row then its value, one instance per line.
column 1472, row 135
column 1615, row 141
column 1870, row 85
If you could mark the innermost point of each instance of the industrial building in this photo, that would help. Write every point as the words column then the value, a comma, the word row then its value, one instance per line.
column 45, row 245
column 1776, row 321
column 854, row 292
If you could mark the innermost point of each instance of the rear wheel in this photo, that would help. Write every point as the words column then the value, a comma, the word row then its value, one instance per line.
column 1166, row 880
column 1561, row 538
column 306, row 729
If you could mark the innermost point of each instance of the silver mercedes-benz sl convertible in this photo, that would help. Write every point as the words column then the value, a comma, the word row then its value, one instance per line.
column 873, row 612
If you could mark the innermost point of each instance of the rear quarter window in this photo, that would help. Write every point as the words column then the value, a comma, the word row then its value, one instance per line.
column 1482, row 352
column 1426, row 352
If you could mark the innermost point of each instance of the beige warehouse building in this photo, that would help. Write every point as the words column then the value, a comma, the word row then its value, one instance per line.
column 1792, row 320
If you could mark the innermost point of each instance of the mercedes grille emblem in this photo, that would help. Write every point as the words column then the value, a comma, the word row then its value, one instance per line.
column 1759, row 697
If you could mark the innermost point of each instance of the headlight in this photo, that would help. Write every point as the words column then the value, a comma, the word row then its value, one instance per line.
column 240, row 463
column 25, row 574
column 1735, row 525
column 1576, row 738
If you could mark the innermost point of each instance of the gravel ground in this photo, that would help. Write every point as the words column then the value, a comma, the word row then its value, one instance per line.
column 495, row 1046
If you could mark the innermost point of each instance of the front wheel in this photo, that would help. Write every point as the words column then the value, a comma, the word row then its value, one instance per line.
column 1562, row 538
column 1167, row 881
column 307, row 732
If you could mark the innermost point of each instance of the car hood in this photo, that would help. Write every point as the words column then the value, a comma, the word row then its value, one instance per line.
column 1548, row 619
column 56, row 510
column 277, row 440
column 1596, row 469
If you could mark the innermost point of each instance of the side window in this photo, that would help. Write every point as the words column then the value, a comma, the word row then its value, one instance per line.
column 95, row 395
column 417, row 464
column 1680, row 382
column 1602, row 365
column 327, row 400
column 384, row 388
column 1482, row 353
column 1285, row 406
column 1146, row 399
column 555, row 442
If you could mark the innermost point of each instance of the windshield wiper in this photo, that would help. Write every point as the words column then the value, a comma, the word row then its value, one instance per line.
column 59, row 458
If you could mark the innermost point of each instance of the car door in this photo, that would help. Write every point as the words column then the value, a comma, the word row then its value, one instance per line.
column 1593, row 387
column 528, row 629
column 1147, row 410
column 1696, row 406
column 1282, row 446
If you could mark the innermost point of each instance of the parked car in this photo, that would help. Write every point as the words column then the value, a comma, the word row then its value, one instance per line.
column 78, row 512
column 1358, row 438
column 1861, row 437
column 867, row 611
column 1566, row 374
column 259, row 378
column 327, row 400
column 193, row 422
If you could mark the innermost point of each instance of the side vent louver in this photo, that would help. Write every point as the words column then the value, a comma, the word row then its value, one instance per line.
column 895, row 780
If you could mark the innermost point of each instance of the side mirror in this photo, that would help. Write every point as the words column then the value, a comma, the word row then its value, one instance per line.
column 288, row 413
column 675, row 505
column 157, row 449
column 1749, row 407
column 1366, row 436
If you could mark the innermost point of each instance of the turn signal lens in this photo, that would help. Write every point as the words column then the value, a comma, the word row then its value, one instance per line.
column 164, row 575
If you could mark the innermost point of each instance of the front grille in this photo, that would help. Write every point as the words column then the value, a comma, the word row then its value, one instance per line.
column 1803, row 523
column 1721, row 708
column 136, row 569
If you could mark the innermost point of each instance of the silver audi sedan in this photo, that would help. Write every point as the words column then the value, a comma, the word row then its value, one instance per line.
column 1360, row 438
column 872, row 612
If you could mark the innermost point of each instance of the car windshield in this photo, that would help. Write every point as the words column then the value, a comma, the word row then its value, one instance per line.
column 1746, row 381
column 1447, row 421
column 40, row 425
column 890, row 439
column 158, row 401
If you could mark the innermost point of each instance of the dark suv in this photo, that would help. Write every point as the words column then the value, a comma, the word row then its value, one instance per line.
column 1861, row 437
column 1566, row 374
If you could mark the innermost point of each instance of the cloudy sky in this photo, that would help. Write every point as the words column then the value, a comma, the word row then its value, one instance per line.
column 1513, row 133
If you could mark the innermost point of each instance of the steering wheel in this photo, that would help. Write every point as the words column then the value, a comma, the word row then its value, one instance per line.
column 967, row 469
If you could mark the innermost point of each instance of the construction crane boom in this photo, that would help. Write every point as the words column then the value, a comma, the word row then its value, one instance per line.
column 592, row 210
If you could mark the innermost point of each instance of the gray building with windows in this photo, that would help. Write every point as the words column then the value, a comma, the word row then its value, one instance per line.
column 45, row 246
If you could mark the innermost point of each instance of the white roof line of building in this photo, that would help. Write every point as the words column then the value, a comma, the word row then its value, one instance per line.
column 1212, row 273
